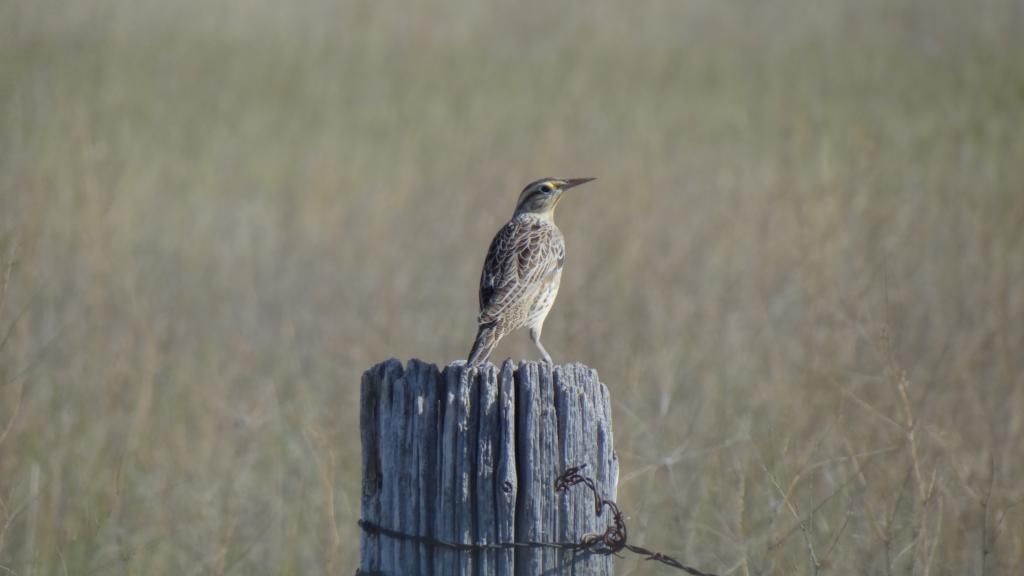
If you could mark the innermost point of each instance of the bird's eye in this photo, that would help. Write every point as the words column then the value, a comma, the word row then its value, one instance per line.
column 547, row 188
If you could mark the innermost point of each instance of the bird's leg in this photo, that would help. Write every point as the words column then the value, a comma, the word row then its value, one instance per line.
column 535, row 336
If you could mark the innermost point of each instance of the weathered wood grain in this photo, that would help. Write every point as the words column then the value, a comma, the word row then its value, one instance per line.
column 470, row 455
column 507, row 478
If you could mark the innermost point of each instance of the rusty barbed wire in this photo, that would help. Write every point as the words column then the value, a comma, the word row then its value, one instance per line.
column 612, row 541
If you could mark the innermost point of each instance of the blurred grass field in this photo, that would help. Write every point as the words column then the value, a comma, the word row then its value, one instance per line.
column 807, row 232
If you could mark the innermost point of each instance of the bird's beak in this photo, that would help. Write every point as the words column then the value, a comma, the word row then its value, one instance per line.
column 574, row 182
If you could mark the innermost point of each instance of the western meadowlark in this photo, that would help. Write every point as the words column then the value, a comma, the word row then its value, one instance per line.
column 522, row 269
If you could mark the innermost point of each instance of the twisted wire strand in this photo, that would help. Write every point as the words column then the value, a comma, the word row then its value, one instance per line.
column 612, row 541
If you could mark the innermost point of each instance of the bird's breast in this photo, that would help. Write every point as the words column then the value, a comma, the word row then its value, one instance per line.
column 545, row 299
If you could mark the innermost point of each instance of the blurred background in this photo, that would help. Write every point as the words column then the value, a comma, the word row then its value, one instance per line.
column 799, row 271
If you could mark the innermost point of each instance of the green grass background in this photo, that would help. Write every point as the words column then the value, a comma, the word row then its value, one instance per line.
column 806, row 234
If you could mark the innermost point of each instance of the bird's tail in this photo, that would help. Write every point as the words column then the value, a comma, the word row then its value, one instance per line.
column 486, row 340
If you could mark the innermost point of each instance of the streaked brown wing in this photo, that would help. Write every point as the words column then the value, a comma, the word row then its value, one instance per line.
column 523, row 253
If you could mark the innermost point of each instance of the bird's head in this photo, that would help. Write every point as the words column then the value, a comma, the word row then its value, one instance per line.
column 541, row 196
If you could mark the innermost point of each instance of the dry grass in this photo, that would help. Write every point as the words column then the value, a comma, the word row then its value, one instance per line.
column 800, row 271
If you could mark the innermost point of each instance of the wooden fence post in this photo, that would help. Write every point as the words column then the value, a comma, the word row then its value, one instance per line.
column 471, row 456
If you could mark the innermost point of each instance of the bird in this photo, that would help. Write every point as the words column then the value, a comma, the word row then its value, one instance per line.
column 523, row 269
